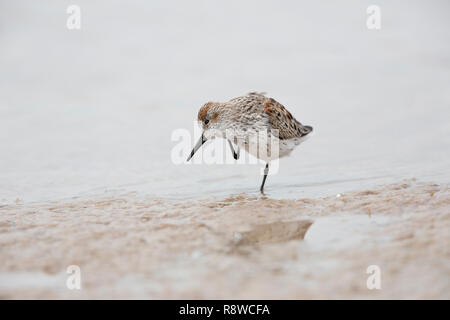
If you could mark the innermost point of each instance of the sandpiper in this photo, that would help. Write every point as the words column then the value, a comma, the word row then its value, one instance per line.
column 247, row 116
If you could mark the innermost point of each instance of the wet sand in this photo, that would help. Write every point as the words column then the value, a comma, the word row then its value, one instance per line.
column 88, row 116
column 243, row 247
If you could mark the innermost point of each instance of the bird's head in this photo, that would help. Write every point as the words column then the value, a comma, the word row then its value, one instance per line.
column 209, row 115
column 210, row 118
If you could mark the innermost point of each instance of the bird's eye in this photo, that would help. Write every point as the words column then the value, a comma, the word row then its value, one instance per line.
column 206, row 121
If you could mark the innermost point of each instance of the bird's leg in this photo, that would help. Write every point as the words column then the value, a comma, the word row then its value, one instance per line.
column 235, row 153
column 266, row 171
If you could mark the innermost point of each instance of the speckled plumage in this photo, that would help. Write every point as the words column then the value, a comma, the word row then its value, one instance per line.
column 248, row 116
column 256, row 112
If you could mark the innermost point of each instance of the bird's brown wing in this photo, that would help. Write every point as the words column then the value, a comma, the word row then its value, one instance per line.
column 283, row 121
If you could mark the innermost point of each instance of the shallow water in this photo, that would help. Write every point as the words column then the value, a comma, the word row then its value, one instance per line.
column 92, row 111
column 86, row 175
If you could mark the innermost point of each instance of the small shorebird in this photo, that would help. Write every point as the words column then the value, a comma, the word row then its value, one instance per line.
column 246, row 117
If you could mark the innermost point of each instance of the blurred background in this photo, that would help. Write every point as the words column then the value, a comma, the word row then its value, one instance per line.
column 91, row 111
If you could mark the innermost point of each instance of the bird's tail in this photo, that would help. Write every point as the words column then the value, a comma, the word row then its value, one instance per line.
column 305, row 130
column 309, row 129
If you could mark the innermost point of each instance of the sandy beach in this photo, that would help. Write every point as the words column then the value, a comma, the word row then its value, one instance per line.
column 238, row 247
column 87, row 133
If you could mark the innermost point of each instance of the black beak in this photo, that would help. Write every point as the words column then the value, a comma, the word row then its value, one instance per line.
column 199, row 143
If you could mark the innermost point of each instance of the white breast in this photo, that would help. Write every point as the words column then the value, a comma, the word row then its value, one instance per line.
column 268, row 148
